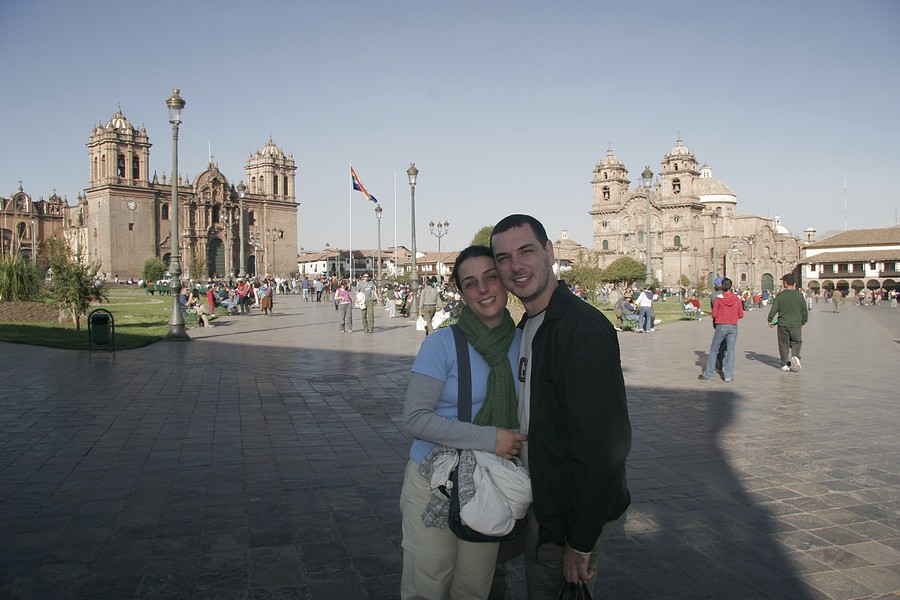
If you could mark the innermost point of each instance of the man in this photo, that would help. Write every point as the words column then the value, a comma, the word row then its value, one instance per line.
column 370, row 293
column 727, row 310
column 573, row 408
column 790, row 312
column 836, row 298
column 645, row 315
column 428, row 299
column 717, row 293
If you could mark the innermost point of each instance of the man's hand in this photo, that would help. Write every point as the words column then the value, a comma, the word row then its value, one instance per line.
column 509, row 443
column 575, row 566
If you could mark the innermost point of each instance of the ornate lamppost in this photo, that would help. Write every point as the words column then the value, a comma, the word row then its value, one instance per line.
column 715, row 219
column 33, row 243
column 441, row 232
column 177, row 331
column 647, row 179
column 276, row 234
column 378, row 211
column 680, row 273
column 242, row 189
column 412, row 172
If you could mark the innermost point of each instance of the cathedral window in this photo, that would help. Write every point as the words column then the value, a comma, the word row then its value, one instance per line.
column 135, row 168
column 677, row 242
column 606, row 192
column 640, row 235
column 275, row 184
column 604, row 224
column 251, row 218
column 676, row 186
column 164, row 212
column 262, row 185
column 253, row 185
column 676, row 166
column 606, row 244
column 216, row 216
column 131, row 227
column 284, row 185
column 676, row 218
column 120, row 166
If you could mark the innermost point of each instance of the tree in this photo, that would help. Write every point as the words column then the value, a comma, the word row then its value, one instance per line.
column 153, row 270
column 483, row 236
column 624, row 272
column 18, row 279
column 72, row 281
column 585, row 274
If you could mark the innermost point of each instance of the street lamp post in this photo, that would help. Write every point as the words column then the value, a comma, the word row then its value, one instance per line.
column 647, row 179
column 715, row 219
column 177, row 331
column 276, row 234
column 242, row 189
column 33, row 243
column 680, row 274
column 441, row 232
column 378, row 211
column 412, row 172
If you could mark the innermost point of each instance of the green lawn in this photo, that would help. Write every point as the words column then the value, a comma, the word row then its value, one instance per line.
column 140, row 320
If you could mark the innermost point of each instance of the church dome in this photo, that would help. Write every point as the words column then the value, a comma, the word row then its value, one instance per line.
column 778, row 227
column 680, row 151
column 118, row 121
column 271, row 149
column 707, row 186
column 609, row 161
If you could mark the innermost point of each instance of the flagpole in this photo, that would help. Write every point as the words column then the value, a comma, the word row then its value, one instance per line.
column 350, row 195
column 395, row 223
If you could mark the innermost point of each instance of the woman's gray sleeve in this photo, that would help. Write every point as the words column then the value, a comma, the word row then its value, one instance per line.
column 420, row 420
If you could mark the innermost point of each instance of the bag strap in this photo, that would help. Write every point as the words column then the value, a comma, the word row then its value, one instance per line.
column 464, row 373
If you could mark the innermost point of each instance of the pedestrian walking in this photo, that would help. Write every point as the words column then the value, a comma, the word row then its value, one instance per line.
column 789, row 312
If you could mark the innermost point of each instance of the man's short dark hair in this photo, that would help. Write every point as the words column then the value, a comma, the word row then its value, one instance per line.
column 788, row 279
column 726, row 285
column 470, row 252
column 511, row 221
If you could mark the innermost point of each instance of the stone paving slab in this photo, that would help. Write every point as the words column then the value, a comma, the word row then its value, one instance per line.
column 263, row 460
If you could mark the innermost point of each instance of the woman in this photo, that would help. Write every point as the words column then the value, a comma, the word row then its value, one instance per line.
column 345, row 305
column 435, row 563
column 265, row 298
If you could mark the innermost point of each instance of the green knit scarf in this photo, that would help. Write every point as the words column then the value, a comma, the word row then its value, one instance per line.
column 500, row 406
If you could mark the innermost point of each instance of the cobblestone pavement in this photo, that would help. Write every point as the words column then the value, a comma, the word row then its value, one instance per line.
column 263, row 460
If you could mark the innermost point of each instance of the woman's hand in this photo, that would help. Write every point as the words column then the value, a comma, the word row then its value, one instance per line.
column 509, row 443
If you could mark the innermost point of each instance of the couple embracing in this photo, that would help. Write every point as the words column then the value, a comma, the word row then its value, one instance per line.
column 548, row 393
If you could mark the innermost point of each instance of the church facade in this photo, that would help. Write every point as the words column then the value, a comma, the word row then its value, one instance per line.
column 695, row 229
column 124, row 216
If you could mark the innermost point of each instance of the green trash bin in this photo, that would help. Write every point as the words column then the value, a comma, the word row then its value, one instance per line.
column 101, row 328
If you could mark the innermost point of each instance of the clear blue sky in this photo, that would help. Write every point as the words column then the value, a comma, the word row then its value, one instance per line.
column 504, row 106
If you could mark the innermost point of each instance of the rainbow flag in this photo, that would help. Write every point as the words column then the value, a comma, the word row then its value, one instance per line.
column 358, row 186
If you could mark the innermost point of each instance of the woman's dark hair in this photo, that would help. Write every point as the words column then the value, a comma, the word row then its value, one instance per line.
column 470, row 252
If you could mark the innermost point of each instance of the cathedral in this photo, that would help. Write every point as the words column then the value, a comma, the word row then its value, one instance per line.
column 123, row 218
column 695, row 230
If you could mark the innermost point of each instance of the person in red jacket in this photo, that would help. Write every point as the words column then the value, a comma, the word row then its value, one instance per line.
column 727, row 310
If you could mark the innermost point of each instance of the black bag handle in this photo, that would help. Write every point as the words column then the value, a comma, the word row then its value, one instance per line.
column 464, row 372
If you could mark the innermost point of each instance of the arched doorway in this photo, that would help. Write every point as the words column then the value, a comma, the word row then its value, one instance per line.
column 814, row 287
column 251, row 264
column 215, row 257
column 873, row 284
column 889, row 284
column 768, row 282
column 165, row 260
column 857, row 285
column 842, row 286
